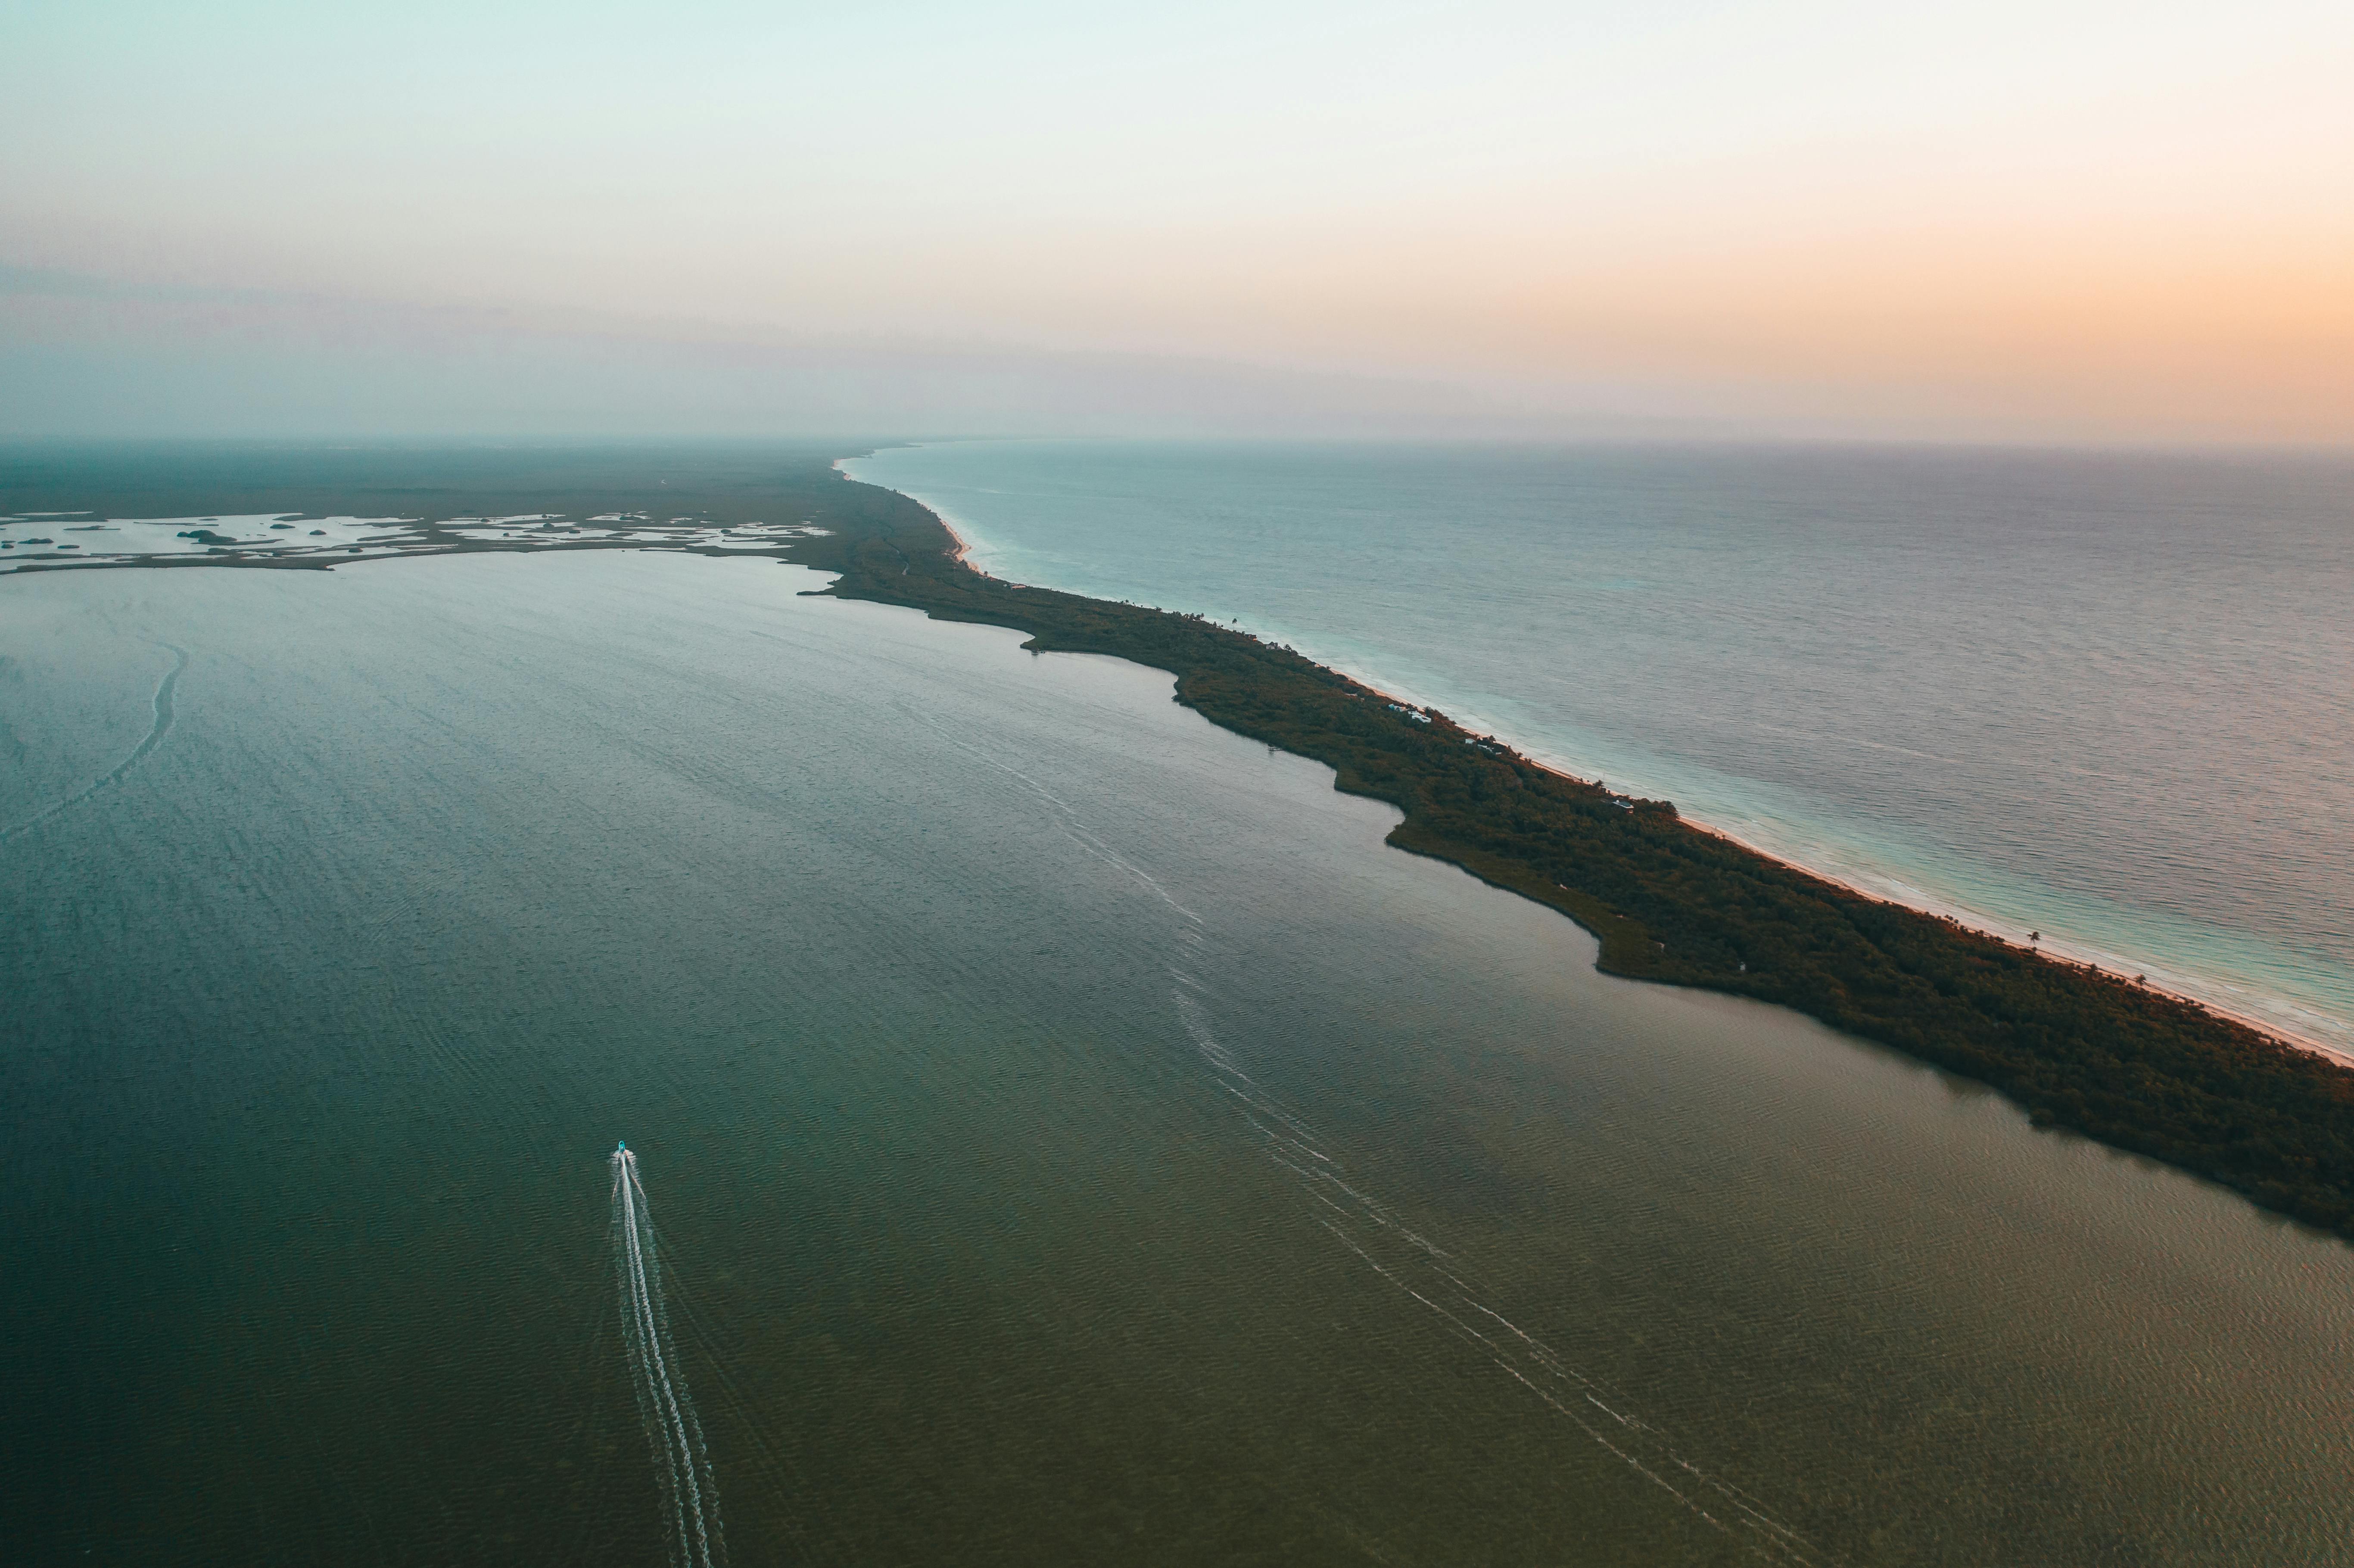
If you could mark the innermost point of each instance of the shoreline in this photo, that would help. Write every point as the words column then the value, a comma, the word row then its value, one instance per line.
column 961, row 552
column 438, row 537
column 2140, row 1069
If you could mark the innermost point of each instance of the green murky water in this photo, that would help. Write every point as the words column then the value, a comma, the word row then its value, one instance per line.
column 1074, row 1137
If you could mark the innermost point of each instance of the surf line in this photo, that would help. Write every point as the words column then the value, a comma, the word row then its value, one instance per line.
column 163, row 722
column 682, row 1460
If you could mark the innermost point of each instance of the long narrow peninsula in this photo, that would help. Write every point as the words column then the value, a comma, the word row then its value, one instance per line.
column 2078, row 1048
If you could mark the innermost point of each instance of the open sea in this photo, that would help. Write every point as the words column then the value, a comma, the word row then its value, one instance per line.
column 2105, row 696
column 1068, row 1135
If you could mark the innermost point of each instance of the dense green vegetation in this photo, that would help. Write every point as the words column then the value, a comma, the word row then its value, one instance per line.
column 2076, row 1047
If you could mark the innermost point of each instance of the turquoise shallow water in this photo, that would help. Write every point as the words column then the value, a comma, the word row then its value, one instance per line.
column 1075, row 1138
column 2106, row 696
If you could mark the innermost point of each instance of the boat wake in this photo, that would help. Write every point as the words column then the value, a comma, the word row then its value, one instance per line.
column 1417, row 1265
column 161, row 723
column 681, row 1461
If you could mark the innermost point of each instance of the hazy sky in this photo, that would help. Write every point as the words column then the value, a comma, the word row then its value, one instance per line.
column 2059, row 220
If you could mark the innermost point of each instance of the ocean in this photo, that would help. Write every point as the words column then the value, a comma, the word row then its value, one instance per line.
column 2104, row 697
column 1066, row 1134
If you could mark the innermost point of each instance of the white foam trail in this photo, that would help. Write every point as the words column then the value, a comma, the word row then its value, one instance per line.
column 681, row 1461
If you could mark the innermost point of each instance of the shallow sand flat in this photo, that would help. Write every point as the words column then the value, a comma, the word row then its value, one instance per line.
column 34, row 540
column 131, row 539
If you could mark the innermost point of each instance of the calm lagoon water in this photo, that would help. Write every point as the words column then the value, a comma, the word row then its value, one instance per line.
column 2106, row 696
column 1076, row 1139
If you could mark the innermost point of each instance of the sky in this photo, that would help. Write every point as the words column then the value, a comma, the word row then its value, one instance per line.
column 2063, row 221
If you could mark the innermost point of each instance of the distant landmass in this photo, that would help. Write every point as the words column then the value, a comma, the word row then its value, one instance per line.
column 2077, row 1047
